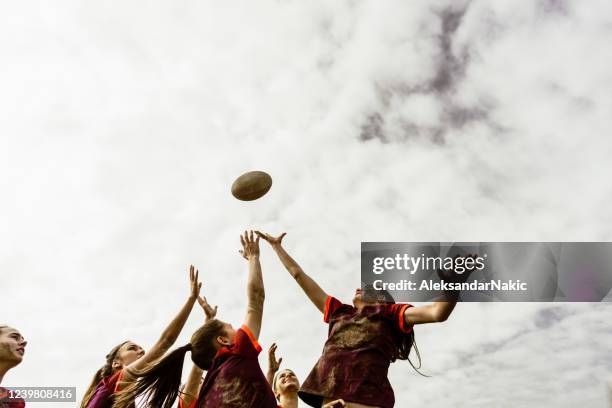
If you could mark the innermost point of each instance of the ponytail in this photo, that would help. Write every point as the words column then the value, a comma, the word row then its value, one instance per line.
column 158, row 383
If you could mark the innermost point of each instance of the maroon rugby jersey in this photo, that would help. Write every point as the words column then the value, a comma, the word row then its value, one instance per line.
column 359, row 349
column 6, row 402
column 104, row 395
column 235, row 379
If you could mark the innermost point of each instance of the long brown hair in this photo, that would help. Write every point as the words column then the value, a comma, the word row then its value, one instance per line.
column 159, row 383
column 406, row 340
column 105, row 371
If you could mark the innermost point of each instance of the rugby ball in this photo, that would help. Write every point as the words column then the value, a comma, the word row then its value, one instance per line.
column 251, row 186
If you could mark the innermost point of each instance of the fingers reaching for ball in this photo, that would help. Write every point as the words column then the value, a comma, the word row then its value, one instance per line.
column 250, row 245
column 274, row 241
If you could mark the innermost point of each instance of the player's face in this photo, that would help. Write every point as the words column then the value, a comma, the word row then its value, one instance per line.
column 287, row 382
column 358, row 298
column 367, row 297
column 12, row 345
column 128, row 353
column 228, row 336
column 230, row 332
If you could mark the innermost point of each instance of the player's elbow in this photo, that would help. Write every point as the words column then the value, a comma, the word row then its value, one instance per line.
column 440, row 316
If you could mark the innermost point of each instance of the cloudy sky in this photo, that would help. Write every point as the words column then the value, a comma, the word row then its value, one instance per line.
column 124, row 124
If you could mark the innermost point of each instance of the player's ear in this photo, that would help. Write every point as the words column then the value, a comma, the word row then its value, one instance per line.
column 223, row 341
column 116, row 364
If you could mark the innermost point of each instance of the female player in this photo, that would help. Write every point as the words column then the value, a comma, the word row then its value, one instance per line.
column 285, row 384
column 363, row 340
column 12, row 349
column 127, row 358
column 234, row 378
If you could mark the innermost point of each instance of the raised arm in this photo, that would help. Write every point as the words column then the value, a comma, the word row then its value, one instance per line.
column 308, row 285
column 255, row 287
column 273, row 364
column 191, row 390
column 171, row 332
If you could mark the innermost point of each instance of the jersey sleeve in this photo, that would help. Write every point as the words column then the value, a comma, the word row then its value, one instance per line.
column 331, row 306
column 246, row 344
column 182, row 404
column 395, row 313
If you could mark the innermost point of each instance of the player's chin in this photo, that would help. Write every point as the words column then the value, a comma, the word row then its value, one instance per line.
column 293, row 386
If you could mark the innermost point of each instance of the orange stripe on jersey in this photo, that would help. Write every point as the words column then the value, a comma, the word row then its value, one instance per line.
column 403, row 325
column 118, row 381
column 326, row 312
column 182, row 405
column 251, row 337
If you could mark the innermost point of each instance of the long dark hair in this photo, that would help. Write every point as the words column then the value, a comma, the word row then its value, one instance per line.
column 105, row 371
column 406, row 340
column 159, row 383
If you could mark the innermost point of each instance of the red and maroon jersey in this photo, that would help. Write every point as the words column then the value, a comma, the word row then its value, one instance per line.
column 235, row 379
column 104, row 395
column 361, row 345
column 6, row 402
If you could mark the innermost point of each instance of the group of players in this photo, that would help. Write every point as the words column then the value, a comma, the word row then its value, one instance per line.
column 363, row 339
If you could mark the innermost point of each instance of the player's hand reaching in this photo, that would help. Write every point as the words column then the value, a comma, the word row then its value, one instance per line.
column 274, row 241
column 250, row 245
column 209, row 311
column 194, row 284
column 273, row 363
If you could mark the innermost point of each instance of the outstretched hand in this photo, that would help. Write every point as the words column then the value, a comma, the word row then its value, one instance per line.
column 274, row 241
column 193, row 282
column 250, row 245
column 456, row 275
column 273, row 363
column 209, row 311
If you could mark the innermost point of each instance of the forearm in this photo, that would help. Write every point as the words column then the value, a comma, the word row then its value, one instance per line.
column 288, row 262
column 166, row 340
column 270, row 376
column 255, row 297
column 433, row 313
column 192, row 387
column 172, row 331
column 255, row 285
column 308, row 285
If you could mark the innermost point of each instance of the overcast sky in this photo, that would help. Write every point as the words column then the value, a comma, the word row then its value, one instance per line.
column 124, row 124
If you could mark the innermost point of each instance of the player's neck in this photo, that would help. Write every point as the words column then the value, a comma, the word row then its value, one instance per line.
column 289, row 400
